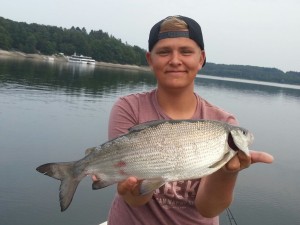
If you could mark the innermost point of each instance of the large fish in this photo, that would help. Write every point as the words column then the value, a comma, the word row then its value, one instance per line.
column 155, row 152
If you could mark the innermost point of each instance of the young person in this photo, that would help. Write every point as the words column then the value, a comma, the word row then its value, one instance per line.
column 176, row 54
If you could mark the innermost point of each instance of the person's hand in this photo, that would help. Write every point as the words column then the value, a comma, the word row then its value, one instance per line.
column 241, row 161
column 129, row 190
column 130, row 186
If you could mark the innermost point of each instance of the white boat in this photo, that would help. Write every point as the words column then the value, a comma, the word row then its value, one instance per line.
column 81, row 59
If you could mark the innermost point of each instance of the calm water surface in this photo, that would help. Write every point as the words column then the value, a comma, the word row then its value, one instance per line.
column 53, row 112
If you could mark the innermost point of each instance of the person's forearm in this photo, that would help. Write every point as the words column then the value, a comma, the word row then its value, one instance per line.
column 215, row 193
column 136, row 201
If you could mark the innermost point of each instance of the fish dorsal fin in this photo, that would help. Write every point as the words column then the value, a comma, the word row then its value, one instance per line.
column 154, row 123
column 90, row 150
column 150, row 185
column 145, row 125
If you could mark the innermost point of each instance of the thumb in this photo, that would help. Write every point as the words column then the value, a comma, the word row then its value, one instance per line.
column 127, row 185
column 260, row 157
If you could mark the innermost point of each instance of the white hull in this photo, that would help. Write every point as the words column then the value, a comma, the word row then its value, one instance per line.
column 81, row 59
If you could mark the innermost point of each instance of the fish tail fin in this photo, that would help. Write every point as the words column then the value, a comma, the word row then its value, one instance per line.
column 69, row 181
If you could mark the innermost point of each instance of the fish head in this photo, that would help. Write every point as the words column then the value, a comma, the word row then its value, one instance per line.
column 242, row 139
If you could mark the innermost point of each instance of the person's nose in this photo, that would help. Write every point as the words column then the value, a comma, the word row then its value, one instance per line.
column 175, row 59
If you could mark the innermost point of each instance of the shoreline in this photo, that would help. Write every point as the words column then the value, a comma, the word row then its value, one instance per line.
column 61, row 58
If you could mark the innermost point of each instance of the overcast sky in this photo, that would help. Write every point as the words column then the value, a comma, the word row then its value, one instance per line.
column 244, row 32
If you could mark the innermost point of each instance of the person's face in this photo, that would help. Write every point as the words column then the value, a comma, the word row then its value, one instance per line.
column 175, row 62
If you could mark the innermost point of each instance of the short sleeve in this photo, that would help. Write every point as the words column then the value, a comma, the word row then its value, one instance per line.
column 121, row 118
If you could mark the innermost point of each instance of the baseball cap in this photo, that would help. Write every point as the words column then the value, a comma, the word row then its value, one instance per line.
column 194, row 32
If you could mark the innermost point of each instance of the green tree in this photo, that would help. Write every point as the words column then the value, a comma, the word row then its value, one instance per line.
column 5, row 39
column 30, row 44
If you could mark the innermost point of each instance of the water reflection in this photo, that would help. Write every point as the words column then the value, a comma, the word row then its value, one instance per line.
column 72, row 78
column 255, row 88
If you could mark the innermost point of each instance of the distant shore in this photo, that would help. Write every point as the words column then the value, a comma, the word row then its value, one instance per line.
column 61, row 58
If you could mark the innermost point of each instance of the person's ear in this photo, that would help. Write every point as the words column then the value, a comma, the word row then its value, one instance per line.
column 149, row 60
column 202, row 59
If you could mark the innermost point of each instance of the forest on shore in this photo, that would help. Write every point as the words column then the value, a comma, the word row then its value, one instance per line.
column 49, row 40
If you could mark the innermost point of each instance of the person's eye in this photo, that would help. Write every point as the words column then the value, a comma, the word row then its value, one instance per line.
column 186, row 52
column 163, row 52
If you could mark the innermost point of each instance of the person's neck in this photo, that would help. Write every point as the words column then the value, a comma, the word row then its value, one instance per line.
column 177, row 104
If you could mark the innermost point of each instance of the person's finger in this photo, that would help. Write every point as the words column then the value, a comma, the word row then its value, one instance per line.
column 233, row 164
column 261, row 157
column 127, row 185
column 94, row 178
column 245, row 160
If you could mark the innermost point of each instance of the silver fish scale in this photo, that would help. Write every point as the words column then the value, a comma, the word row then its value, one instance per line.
column 172, row 151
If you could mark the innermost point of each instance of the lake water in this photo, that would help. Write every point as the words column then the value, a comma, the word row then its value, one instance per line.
column 53, row 112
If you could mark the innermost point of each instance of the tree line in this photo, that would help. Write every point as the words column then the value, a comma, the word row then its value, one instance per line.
column 48, row 40
column 252, row 73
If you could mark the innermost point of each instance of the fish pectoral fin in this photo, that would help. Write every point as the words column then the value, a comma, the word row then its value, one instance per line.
column 150, row 185
column 99, row 184
column 224, row 160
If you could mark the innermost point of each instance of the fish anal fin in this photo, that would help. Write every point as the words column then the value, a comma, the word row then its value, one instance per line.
column 99, row 184
column 150, row 185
